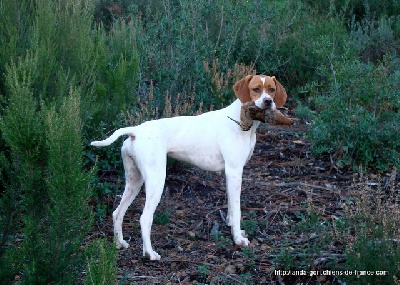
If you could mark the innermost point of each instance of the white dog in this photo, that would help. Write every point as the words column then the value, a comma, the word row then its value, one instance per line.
column 210, row 141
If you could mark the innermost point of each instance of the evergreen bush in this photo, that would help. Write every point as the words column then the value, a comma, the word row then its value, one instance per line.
column 53, row 63
column 72, row 50
column 101, row 263
column 46, row 156
column 23, row 133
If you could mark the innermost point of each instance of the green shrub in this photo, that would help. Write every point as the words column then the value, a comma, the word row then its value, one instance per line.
column 72, row 51
column 50, row 67
column 14, row 18
column 114, row 90
column 250, row 225
column 162, row 218
column 46, row 156
column 203, row 271
column 20, row 122
column 357, row 8
column 372, row 38
column 178, row 48
column 174, row 43
column 101, row 266
column 52, row 51
column 358, row 119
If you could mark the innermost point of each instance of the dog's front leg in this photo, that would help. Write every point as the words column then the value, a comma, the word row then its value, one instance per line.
column 234, row 186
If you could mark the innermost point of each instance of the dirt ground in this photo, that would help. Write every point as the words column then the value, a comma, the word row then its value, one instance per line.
column 281, row 183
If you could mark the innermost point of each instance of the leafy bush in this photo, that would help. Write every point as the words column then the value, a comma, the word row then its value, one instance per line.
column 174, row 43
column 365, row 100
column 357, row 8
column 372, row 38
column 181, row 52
column 355, row 95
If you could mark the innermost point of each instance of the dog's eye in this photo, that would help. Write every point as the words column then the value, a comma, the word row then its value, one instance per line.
column 272, row 90
column 256, row 90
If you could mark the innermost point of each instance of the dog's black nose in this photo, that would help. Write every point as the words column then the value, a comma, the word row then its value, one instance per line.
column 267, row 102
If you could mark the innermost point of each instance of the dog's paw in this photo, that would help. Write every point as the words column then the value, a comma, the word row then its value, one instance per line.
column 241, row 241
column 153, row 255
column 122, row 244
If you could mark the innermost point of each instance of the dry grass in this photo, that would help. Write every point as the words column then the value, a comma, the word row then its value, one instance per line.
column 222, row 82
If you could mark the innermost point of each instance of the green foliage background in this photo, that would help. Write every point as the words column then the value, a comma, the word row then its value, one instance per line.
column 73, row 70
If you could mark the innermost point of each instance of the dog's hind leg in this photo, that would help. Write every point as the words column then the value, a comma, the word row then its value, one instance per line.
column 133, row 184
column 154, row 174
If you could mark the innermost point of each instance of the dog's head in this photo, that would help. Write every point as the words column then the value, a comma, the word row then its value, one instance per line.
column 266, row 92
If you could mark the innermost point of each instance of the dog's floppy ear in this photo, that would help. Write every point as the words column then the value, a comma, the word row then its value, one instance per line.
column 280, row 94
column 241, row 89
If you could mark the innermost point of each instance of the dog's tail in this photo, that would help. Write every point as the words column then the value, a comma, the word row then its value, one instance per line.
column 115, row 136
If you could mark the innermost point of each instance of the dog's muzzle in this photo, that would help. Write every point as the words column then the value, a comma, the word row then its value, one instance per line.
column 266, row 103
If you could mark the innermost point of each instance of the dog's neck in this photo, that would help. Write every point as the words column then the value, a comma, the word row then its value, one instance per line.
column 237, row 106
